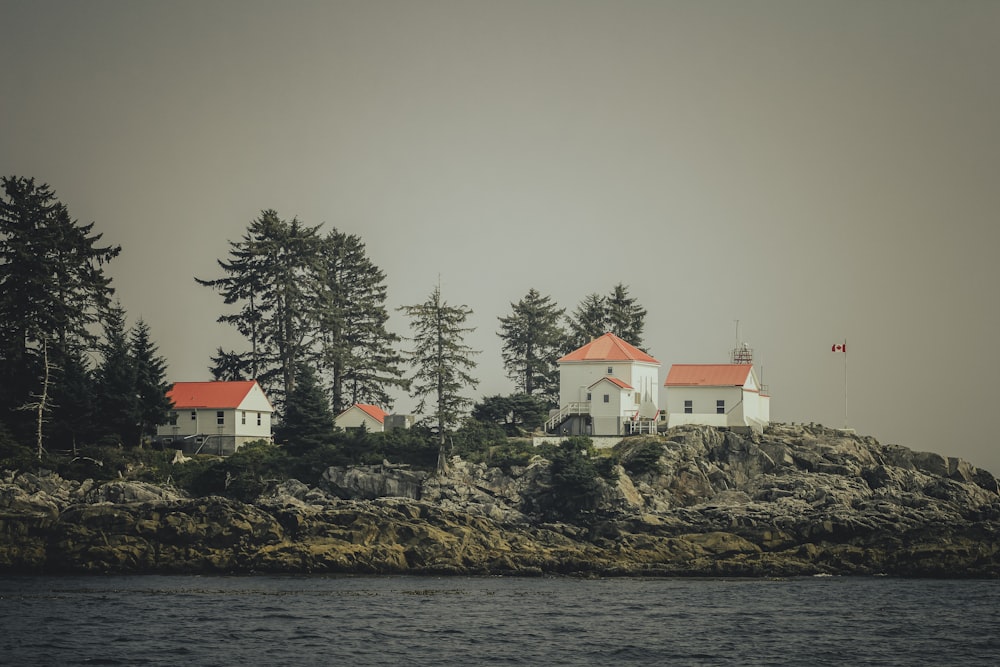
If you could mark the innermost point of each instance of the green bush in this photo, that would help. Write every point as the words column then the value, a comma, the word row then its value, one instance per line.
column 575, row 486
column 645, row 458
column 243, row 476
column 509, row 454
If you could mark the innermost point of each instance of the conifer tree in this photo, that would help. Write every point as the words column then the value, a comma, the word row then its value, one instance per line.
column 308, row 421
column 115, row 380
column 73, row 402
column 358, row 349
column 274, row 274
column 52, row 290
column 597, row 315
column 589, row 321
column 151, row 386
column 230, row 366
column 441, row 360
column 532, row 342
column 625, row 317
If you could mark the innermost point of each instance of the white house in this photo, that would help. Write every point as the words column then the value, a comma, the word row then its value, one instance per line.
column 216, row 417
column 370, row 417
column 607, row 387
column 716, row 395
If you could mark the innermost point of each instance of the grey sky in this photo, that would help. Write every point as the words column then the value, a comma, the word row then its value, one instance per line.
column 816, row 170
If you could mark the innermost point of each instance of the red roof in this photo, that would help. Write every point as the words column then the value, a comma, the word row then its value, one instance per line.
column 609, row 347
column 373, row 411
column 613, row 380
column 187, row 395
column 708, row 375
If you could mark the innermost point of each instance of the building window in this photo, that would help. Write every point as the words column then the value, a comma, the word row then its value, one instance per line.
column 173, row 419
column 688, row 407
column 607, row 398
column 588, row 395
column 220, row 417
column 611, row 370
column 194, row 415
column 243, row 417
column 258, row 419
column 720, row 407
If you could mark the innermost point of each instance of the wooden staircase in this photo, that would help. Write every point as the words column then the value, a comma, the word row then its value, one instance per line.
column 565, row 412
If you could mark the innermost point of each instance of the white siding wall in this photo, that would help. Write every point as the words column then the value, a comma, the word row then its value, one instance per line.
column 354, row 417
column 704, row 406
column 576, row 376
column 205, row 421
column 251, row 429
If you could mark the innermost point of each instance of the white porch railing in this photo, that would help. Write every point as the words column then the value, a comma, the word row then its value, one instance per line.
column 566, row 411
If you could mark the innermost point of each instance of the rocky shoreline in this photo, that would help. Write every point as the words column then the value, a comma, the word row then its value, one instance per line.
column 797, row 500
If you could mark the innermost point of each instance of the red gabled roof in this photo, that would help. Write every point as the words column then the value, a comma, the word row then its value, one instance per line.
column 187, row 395
column 373, row 411
column 708, row 375
column 613, row 380
column 609, row 347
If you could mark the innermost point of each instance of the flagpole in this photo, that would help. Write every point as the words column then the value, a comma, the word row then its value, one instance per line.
column 845, row 385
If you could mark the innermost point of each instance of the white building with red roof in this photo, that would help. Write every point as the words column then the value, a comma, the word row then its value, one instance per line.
column 608, row 387
column 216, row 417
column 729, row 395
column 361, row 415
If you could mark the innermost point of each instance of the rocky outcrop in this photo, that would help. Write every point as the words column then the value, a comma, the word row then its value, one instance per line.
column 369, row 482
column 795, row 500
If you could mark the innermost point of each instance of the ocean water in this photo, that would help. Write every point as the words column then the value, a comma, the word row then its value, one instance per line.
column 315, row 620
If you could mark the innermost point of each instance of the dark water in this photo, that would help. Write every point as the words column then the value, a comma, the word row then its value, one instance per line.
column 266, row 620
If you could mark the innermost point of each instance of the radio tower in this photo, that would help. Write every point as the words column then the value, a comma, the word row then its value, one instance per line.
column 742, row 353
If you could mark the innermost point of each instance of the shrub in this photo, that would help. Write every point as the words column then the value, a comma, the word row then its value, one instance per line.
column 244, row 475
column 509, row 454
column 645, row 458
column 575, row 486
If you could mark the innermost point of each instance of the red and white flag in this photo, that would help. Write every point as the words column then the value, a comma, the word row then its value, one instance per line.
column 839, row 347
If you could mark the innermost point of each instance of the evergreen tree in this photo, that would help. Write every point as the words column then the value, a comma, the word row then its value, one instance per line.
column 308, row 421
column 73, row 411
column 52, row 290
column 441, row 360
column 358, row 349
column 275, row 274
column 532, row 342
column 589, row 321
column 115, row 380
column 625, row 317
column 597, row 315
column 151, row 386
column 511, row 412
column 230, row 366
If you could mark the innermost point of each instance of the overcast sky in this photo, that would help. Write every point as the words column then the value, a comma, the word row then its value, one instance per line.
column 818, row 171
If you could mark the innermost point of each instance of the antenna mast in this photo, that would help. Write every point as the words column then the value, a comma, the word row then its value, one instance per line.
column 741, row 354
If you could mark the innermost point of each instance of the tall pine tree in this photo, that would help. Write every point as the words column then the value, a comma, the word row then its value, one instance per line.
column 115, row 381
column 532, row 342
column 52, row 291
column 597, row 315
column 441, row 360
column 151, row 386
column 626, row 318
column 589, row 321
column 274, row 275
column 358, row 349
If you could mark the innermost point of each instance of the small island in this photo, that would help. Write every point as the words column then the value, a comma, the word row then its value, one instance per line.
column 694, row 501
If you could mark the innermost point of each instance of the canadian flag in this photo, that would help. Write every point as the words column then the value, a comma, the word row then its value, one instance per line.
column 839, row 347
